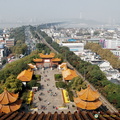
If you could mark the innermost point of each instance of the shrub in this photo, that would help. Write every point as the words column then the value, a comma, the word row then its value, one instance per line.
column 70, row 93
column 33, row 83
column 24, row 96
column 61, row 85
column 38, row 77
column 58, row 77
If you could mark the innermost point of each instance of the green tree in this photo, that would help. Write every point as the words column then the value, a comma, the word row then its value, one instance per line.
column 13, row 84
column 33, row 83
column 77, row 83
column 58, row 77
column 61, row 85
column 48, row 39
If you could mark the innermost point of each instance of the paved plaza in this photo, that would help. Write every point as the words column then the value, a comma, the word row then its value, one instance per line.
column 49, row 98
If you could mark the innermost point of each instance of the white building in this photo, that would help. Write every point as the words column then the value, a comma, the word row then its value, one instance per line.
column 113, row 74
column 77, row 48
column 105, row 66
column 112, row 43
column 116, row 52
column 3, row 51
column 1, row 38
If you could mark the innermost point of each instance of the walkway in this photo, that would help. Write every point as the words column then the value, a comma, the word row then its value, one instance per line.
column 49, row 98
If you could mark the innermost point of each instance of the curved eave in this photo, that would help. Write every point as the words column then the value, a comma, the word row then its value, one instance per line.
column 11, row 107
column 25, row 75
column 69, row 74
column 7, row 97
column 87, row 105
column 51, row 55
column 56, row 60
column 37, row 60
column 88, row 94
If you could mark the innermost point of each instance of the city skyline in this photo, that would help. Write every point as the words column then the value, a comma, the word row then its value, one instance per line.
column 47, row 11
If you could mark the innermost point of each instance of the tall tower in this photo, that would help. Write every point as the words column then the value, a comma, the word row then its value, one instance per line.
column 80, row 17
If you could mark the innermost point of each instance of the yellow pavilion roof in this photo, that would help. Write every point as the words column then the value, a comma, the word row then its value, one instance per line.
column 63, row 65
column 87, row 105
column 8, row 97
column 25, row 75
column 31, row 65
column 51, row 55
column 56, row 59
column 69, row 74
column 88, row 94
column 37, row 60
column 11, row 107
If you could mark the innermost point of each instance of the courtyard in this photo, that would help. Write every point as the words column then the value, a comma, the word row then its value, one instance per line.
column 49, row 98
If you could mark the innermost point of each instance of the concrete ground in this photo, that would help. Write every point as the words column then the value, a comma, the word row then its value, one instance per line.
column 49, row 98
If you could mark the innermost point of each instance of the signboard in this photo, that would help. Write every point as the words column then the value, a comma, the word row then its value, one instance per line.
column 47, row 60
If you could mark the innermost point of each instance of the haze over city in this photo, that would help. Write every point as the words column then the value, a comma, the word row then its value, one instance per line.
column 58, row 10
column 59, row 60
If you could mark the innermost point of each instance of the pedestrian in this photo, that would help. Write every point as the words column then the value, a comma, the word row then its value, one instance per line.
column 39, row 98
column 48, row 103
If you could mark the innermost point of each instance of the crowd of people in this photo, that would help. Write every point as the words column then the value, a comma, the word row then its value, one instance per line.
column 49, row 91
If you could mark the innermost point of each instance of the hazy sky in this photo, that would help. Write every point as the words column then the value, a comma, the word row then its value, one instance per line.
column 33, row 10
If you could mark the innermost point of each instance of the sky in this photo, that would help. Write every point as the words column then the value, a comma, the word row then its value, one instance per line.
column 55, row 10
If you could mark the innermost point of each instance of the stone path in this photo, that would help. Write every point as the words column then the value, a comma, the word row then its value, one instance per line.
column 49, row 98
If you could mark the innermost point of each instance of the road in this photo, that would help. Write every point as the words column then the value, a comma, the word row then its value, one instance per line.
column 30, row 41
column 102, row 98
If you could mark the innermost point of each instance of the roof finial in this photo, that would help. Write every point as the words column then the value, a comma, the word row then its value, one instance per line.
column 88, row 86
column 5, row 88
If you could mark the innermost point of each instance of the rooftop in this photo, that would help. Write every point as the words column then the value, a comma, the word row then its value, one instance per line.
column 88, row 94
column 82, row 115
column 51, row 55
column 25, row 75
column 7, row 97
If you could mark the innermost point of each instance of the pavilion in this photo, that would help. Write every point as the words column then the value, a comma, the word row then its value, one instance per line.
column 67, row 73
column 32, row 66
column 25, row 76
column 88, row 99
column 47, row 59
column 9, row 102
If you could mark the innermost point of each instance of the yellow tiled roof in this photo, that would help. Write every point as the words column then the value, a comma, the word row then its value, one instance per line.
column 51, row 55
column 87, row 105
column 56, row 59
column 37, row 60
column 64, row 66
column 11, row 107
column 25, row 75
column 7, row 97
column 31, row 65
column 69, row 74
column 88, row 94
